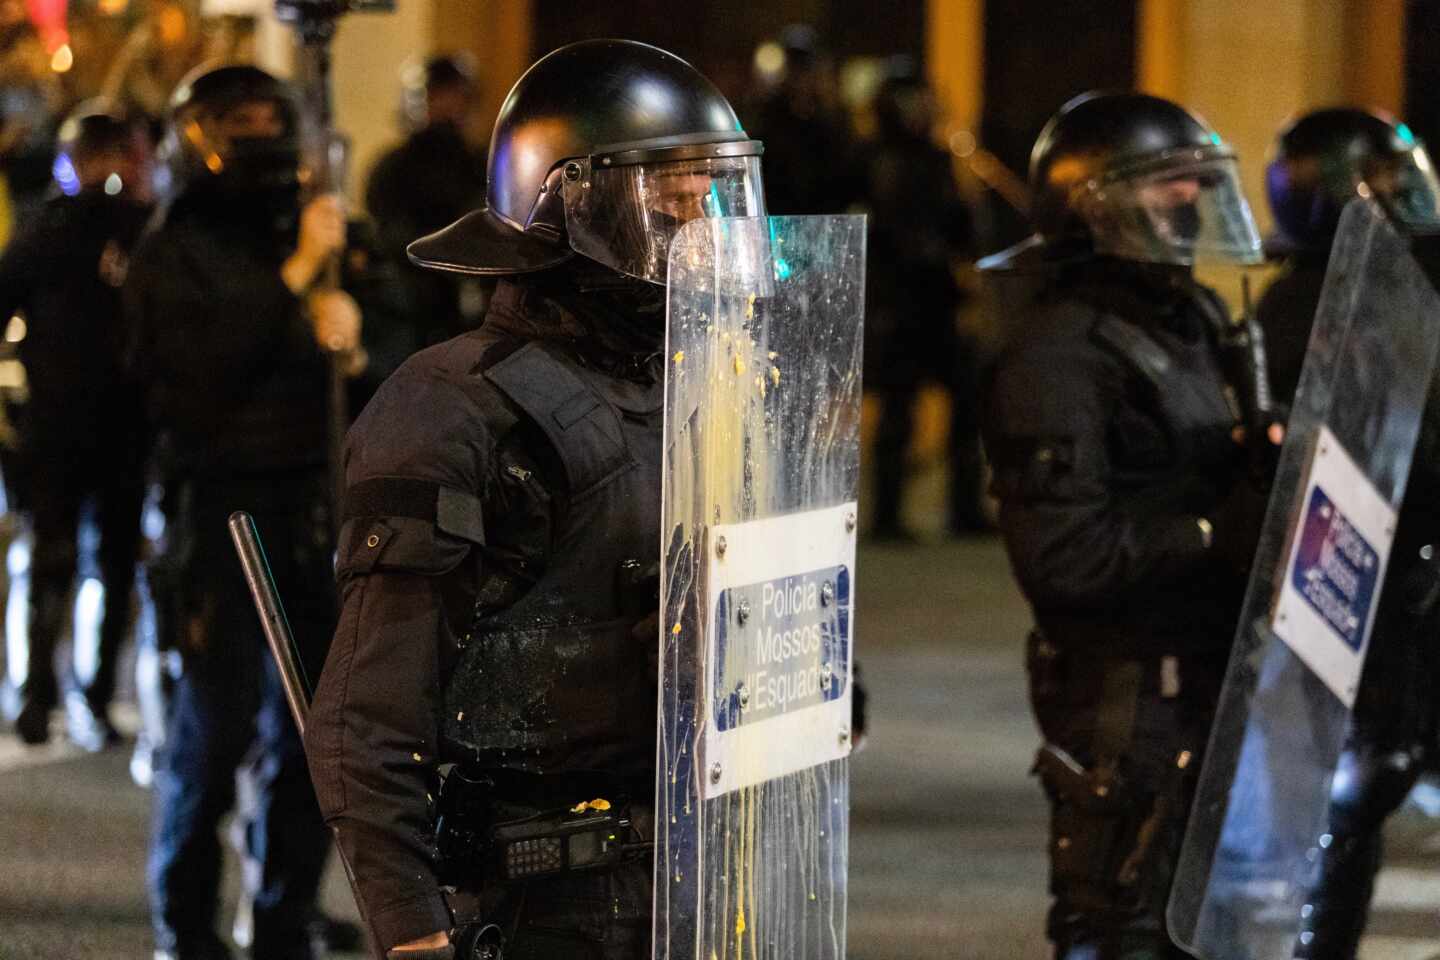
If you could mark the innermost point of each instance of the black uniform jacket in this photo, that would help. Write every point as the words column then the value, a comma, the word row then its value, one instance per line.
column 449, row 518
column 226, row 351
column 1107, row 421
column 1286, row 313
column 65, row 270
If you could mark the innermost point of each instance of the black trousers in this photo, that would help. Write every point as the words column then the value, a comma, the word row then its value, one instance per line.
column 58, row 499
column 909, row 342
column 229, row 714
column 1113, row 854
column 965, row 465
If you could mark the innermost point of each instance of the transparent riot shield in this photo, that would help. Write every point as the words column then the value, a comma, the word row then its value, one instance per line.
column 1258, row 824
column 761, row 470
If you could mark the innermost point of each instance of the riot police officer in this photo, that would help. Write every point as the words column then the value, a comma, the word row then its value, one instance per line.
column 83, row 432
column 1123, row 500
column 799, row 117
column 502, row 516
column 1323, row 160
column 231, row 337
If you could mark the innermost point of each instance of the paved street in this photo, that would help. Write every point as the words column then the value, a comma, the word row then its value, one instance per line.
column 947, row 843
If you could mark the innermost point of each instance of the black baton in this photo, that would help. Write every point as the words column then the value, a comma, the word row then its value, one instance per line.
column 272, row 616
column 282, row 642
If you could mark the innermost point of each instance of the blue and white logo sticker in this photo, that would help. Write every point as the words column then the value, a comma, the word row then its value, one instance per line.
column 1340, row 542
column 1336, row 570
column 779, row 634
column 792, row 636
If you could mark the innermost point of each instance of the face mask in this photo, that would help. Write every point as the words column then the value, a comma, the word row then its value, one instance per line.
column 1181, row 225
column 260, row 184
column 261, row 164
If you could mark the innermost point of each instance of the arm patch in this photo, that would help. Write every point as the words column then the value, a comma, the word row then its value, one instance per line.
column 453, row 511
column 407, row 525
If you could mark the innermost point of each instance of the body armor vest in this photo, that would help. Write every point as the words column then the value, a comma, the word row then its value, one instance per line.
column 561, row 679
column 1177, row 379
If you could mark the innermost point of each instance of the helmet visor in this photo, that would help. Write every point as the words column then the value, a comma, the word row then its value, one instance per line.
column 1407, row 185
column 626, row 216
column 1174, row 214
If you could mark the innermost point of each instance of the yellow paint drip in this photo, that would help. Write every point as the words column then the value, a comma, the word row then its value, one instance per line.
column 750, row 308
column 739, row 366
column 599, row 803
column 775, row 376
column 675, row 630
column 740, row 923
column 679, row 357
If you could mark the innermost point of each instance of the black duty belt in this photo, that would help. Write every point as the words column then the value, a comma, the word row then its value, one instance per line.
column 503, row 826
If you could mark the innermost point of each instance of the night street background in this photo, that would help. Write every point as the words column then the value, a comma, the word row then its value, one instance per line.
column 947, row 844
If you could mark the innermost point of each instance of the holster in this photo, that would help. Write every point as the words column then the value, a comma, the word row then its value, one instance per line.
column 1111, row 814
column 1108, row 850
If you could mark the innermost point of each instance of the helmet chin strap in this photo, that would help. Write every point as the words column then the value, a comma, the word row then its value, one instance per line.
column 590, row 276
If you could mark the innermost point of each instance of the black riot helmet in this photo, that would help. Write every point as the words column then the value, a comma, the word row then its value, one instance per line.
column 95, row 147
column 234, row 127
column 603, row 148
column 1136, row 177
column 1325, row 159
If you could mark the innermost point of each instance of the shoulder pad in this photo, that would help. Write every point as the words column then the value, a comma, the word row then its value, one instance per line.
column 424, row 424
column 582, row 428
column 1134, row 346
column 1212, row 307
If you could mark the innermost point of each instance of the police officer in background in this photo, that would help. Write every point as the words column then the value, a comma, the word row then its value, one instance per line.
column 431, row 180
column 231, row 337
column 1321, row 162
column 83, row 435
column 502, row 515
column 919, row 228
column 1124, row 498
column 799, row 118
